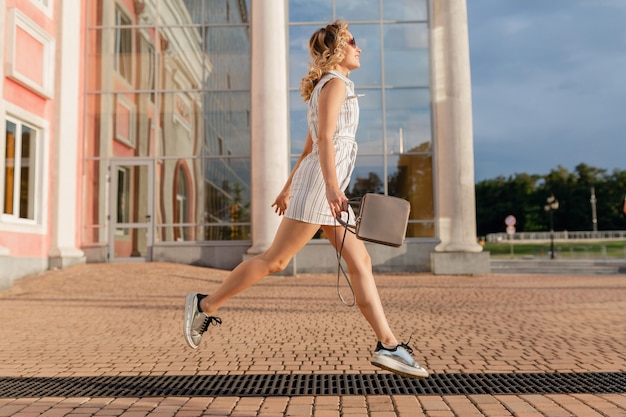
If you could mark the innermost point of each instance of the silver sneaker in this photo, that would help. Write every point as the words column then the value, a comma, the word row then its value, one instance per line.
column 398, row 360
column 196, row 322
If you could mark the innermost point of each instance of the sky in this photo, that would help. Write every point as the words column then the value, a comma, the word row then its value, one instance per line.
column 548, row 85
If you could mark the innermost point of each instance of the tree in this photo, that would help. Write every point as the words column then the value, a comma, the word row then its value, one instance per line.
column 524, row 196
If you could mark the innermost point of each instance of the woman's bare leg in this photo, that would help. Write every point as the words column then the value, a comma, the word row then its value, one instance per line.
column 365, row 291
column 291, row 236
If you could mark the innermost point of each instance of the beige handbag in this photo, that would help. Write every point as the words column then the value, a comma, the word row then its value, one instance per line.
column 381, row 219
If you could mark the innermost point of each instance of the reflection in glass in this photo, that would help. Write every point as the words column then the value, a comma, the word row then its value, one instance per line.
column 357, row 10
column 406, row 54
column 368, row 176
column 130, row 242
column 176, row 95
column 131, row 214
column 411, row 177
column 9, row 167
column 405, row 10
column 297, row 122
column 20, row 172
column 408, row 119
column 369, row 135
column 370, row 72
column 310, row 11
column 94, row 215
column 299, row 57
column 228, row 54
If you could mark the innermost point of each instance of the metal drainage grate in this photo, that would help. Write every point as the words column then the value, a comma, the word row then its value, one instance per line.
column 289, row 385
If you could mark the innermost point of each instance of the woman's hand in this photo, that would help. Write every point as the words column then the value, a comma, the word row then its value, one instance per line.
column 280, row 204
column 337, row 201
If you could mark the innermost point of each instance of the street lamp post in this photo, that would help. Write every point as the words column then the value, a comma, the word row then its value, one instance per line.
column 552, row 205
column 594, row 215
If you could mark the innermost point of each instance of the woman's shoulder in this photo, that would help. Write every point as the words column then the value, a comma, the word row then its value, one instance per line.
column 334, row 78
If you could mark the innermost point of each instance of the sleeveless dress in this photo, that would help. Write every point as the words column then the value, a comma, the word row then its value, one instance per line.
column 307, row 200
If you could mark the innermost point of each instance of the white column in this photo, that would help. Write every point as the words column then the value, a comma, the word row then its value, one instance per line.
column 452, row 97
column 270, row 136
column 64, row 237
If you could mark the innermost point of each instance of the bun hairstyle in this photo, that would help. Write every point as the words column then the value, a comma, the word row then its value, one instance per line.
column 326, row 47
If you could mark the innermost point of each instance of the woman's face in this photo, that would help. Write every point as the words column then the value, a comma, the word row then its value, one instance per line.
column 352, row 59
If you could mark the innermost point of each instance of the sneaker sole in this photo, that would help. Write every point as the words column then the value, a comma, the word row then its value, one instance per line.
column 398, row 368
column 189, row 310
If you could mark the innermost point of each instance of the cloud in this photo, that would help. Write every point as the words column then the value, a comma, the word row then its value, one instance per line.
column 548, row 84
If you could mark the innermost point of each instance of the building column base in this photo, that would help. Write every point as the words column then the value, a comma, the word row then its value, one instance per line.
column 460, row 263
column 63, row 257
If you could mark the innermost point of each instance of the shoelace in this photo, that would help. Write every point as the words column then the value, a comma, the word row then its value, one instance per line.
column 406, row 345
column 208, row 320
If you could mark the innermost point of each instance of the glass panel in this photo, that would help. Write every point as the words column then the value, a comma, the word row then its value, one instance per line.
column 411, row 177
column 204, row 12
column 110, row 71
column 130, row 242
column 210, row 190
column 368, row 176
column 227, row 65
column 123, row 45
column 28, row 170
column 9, row 167
column 357, row 10
column 405, row 9
column 369, row 135
column 420, row 229
column 226, row 200
column 406, row 54
column 368, row 39
column 299, row 58
column 310, row 11
column 298, row 124
column 98, row 116
column 94, row 215
column 408, row 120
column 226, row 123
column 181, row 125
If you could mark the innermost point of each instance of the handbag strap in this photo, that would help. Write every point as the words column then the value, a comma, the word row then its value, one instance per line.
column 347, row 227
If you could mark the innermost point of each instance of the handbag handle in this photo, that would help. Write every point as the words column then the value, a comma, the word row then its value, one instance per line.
column 354, row 201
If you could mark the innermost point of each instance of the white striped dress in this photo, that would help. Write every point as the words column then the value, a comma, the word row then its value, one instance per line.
column 308, row 202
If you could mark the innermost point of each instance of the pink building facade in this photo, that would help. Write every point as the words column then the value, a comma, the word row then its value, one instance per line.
column 41, row 95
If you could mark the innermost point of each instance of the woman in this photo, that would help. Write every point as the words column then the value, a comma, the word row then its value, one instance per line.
column 311, row 198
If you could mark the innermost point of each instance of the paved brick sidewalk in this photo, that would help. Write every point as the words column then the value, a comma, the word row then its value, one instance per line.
column 126, row 319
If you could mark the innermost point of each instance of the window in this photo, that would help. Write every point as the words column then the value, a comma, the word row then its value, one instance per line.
column 182, row 205
column 123, row 195
column 123, row 45
column 20, row 171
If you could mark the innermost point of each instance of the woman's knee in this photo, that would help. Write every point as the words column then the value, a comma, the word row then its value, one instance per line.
column 275, row 265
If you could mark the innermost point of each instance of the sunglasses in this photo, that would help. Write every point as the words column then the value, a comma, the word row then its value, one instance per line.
column 352, row 42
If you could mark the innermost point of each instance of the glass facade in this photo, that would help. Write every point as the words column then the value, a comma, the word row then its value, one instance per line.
column 167, row 115
column 395, row 130
column 167, row 124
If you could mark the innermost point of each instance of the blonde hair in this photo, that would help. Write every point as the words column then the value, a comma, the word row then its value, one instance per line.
column 326, row 47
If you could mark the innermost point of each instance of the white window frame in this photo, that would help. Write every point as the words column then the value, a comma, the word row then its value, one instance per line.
column 132, row 110
column 12, row 222
column 15, row 19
